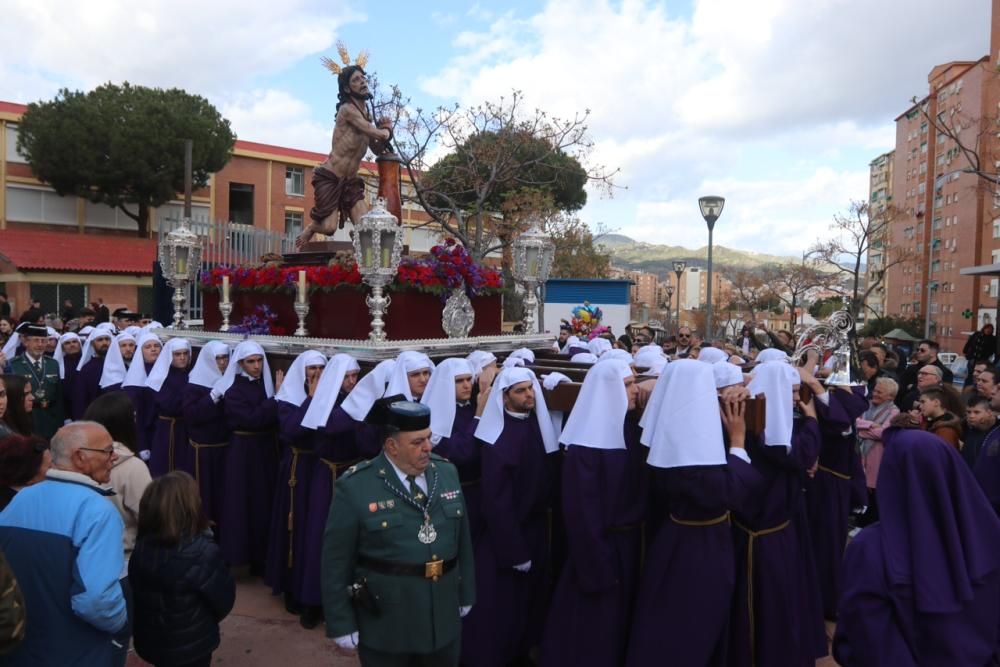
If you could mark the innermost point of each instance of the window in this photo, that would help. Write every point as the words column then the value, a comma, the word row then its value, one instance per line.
column 994, row 288
column 293, row 223
column 295, row 181
column 241, row 203
column 996, row 230
column 12, row 154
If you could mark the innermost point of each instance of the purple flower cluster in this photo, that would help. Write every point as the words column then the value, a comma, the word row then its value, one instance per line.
column 260, row 322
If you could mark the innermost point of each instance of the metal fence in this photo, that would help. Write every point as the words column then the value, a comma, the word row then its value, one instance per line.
column 226, row 244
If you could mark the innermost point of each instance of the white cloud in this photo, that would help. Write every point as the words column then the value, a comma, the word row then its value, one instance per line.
column 781, row 104
column 204, row 47
column 275, row 117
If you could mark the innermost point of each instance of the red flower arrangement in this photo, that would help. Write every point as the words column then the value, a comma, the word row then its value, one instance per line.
column 448, row 267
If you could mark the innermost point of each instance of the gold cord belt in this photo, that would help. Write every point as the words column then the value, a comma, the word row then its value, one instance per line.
column 838, row 475
column 753, row 535
column 170, row 442
column 292, row 483
column 197, row 447
column 707, row 522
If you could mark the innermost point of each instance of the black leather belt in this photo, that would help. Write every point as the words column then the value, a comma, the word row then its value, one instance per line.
column 429, row 570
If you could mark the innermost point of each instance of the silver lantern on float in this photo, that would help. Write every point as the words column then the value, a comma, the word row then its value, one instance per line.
column 378, row 248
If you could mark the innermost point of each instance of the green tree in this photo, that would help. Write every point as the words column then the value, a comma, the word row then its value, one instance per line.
column 576, row 254
column 824, row 308
column 124, row 145
column 879, row 326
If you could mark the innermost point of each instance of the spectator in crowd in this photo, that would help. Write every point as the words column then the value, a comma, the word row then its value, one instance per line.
column 935, row 416
column 979, row 421
column 5, row 430
column 981, row 344
column 68, row 563
column 68, row 310
column 20, row 402
column 6, row 329
column 182, row 587
column 87, row 317
column 928, row 376
column 870, row 369
column 880, row 412
column 24, row 460
column 685, row 341
column 977, row 366
column 987, row 382
column 925, row 355
column 4, row 306
column 129, row 479
column 102, row 314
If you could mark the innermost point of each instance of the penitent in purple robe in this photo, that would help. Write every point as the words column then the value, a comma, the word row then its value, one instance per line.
column 337, row 450
column 170, row 449
column 87, row 386
column 510, row 605
column 922, row 586
column 208, row 436
column 603, row 504
column 776, row 617
column 251, row 469
column 987, row 468
column 69, row 386
column 286, row 546
column 462, row 449
column 145, row 413
column 829, row 492
column 685, row 598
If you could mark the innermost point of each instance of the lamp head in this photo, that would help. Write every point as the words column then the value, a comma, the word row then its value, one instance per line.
column 711, row 208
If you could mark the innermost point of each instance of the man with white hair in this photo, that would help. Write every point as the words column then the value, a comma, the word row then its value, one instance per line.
column 63, row 539
column 517, row 438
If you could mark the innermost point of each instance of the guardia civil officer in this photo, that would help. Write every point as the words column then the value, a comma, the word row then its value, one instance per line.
column 397, row 553
column 43, row 373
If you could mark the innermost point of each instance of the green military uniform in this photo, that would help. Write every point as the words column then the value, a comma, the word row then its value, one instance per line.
column 46, row 386
column 376, row 534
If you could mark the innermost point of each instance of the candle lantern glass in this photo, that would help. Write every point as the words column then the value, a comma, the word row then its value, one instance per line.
column 533, row 256
column 180, row 261
column 378, row 247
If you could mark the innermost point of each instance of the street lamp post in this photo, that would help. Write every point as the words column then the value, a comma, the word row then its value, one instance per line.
column 533, row 256
column 669, row 289
column 711, row 209
column 679, row 266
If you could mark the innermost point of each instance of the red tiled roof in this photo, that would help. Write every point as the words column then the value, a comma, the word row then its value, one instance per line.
column 31, row 250
column 13, row 107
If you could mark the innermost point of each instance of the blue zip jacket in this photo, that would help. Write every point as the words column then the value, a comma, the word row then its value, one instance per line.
column 63, row 538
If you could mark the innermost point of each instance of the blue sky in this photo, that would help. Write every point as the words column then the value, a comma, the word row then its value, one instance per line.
column 779, row 105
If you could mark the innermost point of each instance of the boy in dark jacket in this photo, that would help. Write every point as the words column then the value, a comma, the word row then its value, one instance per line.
column 182, row 587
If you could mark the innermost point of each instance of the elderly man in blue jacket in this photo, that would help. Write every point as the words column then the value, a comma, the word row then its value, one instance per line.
column 64, row 542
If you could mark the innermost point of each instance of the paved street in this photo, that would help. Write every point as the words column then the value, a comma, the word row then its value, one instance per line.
column 260, row 632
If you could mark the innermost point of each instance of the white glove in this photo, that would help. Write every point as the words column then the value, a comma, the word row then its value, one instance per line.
column 552, row 379
column 462, row 611
column 145, row 454
column 347, row 641
column 511, row 362
column 523, row 567
column 216, row 395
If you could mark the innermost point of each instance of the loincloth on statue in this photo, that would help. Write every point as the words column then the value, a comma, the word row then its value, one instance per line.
column 334, row 194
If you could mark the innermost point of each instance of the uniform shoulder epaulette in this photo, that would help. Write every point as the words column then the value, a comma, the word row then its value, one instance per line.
column 356, row 467
column 438, row 457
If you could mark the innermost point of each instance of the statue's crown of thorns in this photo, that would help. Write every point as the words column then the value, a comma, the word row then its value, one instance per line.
column 345, row 57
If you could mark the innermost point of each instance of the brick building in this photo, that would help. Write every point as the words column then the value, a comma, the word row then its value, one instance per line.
column 879, row 202
column 947, row 217
column 53, row 248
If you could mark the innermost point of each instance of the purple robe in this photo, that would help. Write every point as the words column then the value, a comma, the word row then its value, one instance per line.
column 777, row 619
column 87, row 385
column 337, row 448
column 145, row 413
column 170, row 449
column 251, row 469
column 987, row 469
column 510, row 605
column 462, row 449
column 286, row 546
column 922, row 586
column 69, row 386
column 687, row 587
column 208, row 436
column 829, row 493
column 603, row 503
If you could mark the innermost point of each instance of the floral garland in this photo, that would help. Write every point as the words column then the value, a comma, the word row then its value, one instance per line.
column 446, row 268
